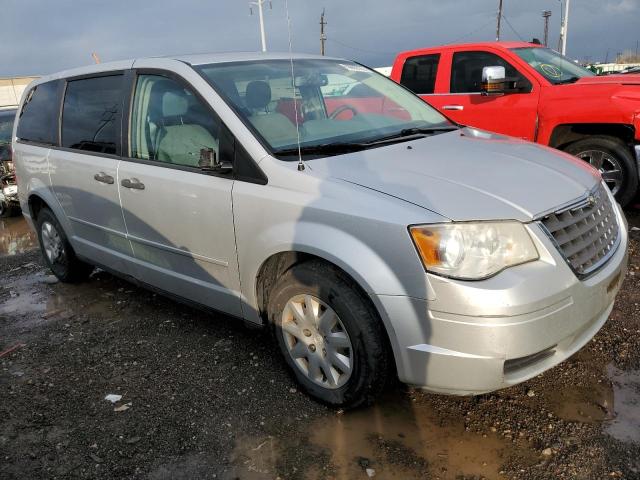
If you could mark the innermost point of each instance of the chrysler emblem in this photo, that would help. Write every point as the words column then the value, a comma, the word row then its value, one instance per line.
column 591, row 201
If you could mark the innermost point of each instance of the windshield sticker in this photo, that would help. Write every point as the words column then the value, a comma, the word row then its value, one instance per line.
column 551, row 70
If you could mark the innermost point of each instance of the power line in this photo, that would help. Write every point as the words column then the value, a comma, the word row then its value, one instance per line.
column 358, row 48
column 466, row 35
column 513, row 29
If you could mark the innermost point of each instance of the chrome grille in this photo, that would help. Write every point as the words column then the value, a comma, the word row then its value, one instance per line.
column 586, row 233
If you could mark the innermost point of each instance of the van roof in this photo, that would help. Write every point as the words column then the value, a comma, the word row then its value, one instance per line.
column 191, row 59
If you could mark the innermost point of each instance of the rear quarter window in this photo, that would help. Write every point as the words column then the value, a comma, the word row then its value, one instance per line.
column 38, row 120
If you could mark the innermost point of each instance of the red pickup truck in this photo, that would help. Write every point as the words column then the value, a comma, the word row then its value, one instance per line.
column 528, row 91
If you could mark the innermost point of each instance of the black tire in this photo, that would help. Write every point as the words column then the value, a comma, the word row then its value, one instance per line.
column 621, row 153
column 66, row 266
column 370, row 350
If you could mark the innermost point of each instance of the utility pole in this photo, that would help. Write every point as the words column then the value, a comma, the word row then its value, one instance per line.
column 499, row 20
column 323, row 36
column 95, row 57
column 546, row 14
column 565, row 27
column 560, row 38
column 259, row 3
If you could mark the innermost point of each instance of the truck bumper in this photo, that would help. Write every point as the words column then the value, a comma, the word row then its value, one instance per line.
column 475, row 337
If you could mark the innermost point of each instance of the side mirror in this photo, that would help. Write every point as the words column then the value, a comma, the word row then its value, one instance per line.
column 209, row 162
column 493, row 80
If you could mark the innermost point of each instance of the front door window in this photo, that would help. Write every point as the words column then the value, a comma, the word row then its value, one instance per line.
column 170, row 124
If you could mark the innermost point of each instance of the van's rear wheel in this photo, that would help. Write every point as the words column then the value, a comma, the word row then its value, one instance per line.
column 329, row 334
column 615, row 162
column 57, row 251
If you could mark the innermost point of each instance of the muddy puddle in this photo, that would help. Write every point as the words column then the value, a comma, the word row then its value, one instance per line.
column 16, row 236
column 38, row 298
column 397, row 438
column 625, row 424
column 403, row 437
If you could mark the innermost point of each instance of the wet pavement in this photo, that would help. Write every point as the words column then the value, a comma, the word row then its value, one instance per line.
column 204, row 397
column 16, row 236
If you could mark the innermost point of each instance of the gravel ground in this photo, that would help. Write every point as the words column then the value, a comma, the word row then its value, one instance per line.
column 206, row 397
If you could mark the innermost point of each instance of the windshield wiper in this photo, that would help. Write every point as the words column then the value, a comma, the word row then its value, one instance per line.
column 337, row 147
column 568, row 80
column 411, row 133
column 346, row 147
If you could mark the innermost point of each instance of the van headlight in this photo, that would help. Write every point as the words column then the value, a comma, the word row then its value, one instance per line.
column 472, row 251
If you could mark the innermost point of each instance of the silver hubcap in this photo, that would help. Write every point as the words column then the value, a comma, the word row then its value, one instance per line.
column 608, row 166
column 51, row 242
column 317, row 341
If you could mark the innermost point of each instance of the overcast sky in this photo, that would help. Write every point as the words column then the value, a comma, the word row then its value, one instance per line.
column 44, row 36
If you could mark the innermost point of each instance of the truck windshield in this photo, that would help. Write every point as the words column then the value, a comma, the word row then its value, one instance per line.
column 553, row 66
column 6, row 125
column 337, row 105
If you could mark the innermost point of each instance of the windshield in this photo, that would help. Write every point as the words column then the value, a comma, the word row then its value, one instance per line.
column 6, row 125
column 336, row 103
column 553, row 66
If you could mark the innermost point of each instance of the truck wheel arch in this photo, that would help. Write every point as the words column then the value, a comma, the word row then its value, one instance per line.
column 564, row 134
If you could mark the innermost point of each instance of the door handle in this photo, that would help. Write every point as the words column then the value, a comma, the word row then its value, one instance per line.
column 103, row 178
column 453, row 107
column 132, row 183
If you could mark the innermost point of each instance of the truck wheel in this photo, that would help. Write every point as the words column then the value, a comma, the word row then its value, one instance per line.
column 57, row 251
column 330, row 335
column 614, row 160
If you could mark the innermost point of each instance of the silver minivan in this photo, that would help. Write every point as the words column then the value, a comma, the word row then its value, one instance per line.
column 374, row 236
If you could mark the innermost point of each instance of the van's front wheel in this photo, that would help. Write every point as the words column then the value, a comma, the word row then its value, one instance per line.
column 329, row 334
column 57, row 251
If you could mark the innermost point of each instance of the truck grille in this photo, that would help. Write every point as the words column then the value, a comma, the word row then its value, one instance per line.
column 586, row 233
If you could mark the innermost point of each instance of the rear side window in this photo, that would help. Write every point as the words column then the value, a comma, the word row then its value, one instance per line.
column 91, row 114
column 466, row 72
column 38, row 121
column 419, row 73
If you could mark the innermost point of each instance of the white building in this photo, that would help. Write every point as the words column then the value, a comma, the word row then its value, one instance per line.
column 11, row 90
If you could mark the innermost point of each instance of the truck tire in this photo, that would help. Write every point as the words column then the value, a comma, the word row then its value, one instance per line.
column 330, row 335
column 615, row 161
column 57, row 251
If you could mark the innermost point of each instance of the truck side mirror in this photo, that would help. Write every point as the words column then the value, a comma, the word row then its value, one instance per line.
column 493, row 80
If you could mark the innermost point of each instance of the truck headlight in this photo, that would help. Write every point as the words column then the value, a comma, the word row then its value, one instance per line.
column 472, row 251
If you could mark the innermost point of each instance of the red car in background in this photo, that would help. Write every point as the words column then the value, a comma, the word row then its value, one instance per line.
column 528, row 91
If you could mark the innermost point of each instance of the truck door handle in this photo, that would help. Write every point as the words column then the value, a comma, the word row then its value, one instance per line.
column 103, row 178
column 132, row 183
column 453, row 107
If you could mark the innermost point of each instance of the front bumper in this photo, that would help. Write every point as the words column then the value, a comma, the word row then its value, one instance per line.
column 474, row 337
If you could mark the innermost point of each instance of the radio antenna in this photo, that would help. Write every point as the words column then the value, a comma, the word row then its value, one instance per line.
column 293, row 86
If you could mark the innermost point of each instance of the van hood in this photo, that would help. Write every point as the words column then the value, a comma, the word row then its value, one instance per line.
column 468, row 174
